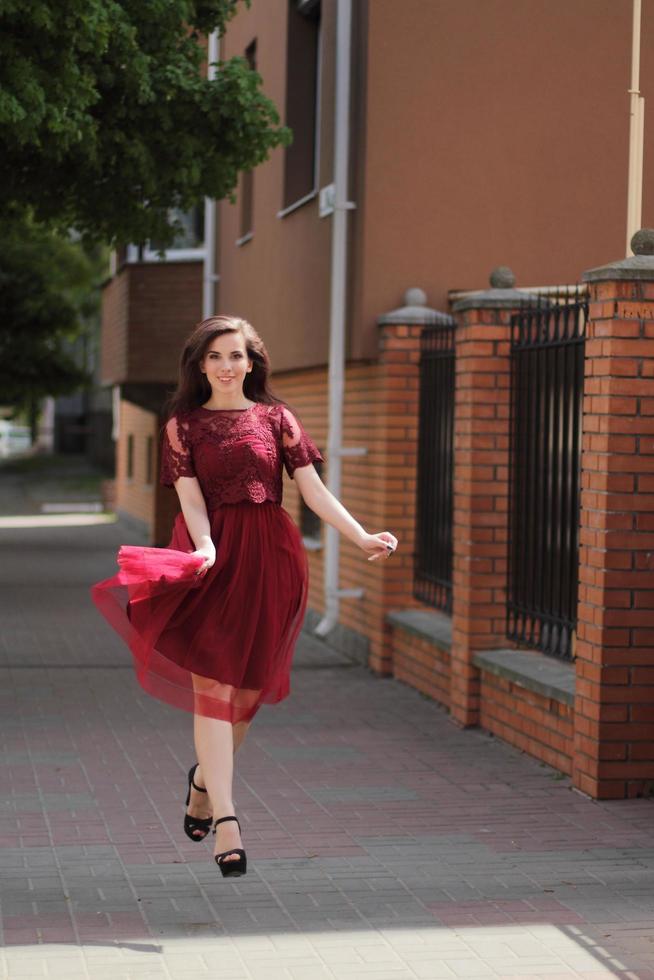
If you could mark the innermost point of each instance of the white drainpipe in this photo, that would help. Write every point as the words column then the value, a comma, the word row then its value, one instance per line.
column 342, row 205
column 636, row 134
column 209, row 277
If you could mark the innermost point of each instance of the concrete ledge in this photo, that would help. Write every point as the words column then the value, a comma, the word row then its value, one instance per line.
column 534, row 671
column 429, row 625
column 633, row 267
column 494, row 299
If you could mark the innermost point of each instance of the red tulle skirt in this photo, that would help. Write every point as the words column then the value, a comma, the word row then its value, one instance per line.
column 219, row 644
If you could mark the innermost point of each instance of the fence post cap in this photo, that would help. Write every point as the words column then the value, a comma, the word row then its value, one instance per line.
column 640, row 265
column 415, row 297
column 414, row 311
column 502, row 294
column 642, row 242
column 502, row 277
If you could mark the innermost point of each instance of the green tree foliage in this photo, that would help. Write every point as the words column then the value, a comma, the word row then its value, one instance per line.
column 48, row 287
column 107, row 117
column 107, row 121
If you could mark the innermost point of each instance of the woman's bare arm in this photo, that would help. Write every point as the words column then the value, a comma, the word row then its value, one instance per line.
column 323, row 503
column 195, row 514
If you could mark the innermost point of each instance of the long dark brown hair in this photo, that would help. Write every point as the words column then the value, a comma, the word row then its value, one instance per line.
column 194, row 390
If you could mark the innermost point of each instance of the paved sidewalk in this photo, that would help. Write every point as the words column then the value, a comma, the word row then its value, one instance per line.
column 382, row 841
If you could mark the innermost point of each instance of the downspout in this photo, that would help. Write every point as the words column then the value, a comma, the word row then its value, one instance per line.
column 209, row 277
column 342, row 205
column 636, row 134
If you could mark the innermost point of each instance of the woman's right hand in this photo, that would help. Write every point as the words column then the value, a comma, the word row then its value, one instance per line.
column 208, row 553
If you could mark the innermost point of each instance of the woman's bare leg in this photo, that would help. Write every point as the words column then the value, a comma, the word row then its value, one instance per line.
column 214, row 744
column 200, row 803
column 240, row 730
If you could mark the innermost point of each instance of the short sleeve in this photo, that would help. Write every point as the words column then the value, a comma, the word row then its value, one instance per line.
column 298, row 449
column 176, row 456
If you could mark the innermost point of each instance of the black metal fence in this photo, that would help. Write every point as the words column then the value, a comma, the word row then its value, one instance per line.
column 433, row 551
column 547, row 380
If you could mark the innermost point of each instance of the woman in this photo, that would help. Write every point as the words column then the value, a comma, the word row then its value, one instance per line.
column 212, row 622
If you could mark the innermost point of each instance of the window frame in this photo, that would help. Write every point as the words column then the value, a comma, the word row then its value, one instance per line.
column 149, row 460
column 246, row 194
column 305, row 10
column 129, row 458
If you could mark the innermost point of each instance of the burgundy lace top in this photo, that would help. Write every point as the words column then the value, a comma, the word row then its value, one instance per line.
column 236, row 454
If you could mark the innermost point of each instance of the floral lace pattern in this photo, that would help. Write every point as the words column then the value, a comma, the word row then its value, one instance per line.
column 236, row 454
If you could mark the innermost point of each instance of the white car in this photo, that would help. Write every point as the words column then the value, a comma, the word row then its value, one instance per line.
column 14, row 439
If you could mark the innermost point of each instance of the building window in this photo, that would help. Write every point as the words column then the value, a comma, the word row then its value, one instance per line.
column 188, row 244
column 310, row 523
column 247, row 177
column 149, row 460
column 130, row 457
column 302, row 98
column 190, row 234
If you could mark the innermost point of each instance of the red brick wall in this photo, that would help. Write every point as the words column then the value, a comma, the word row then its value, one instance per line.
column 380, row 413
column 614, row 740
column 421, row 664
column 481, row 431
column 134, row 495
column 399, row 356
column 532, row 722
column 165, row 304
column 539, row 725
column 148, row 310
column 306, row 394
column 115, row 317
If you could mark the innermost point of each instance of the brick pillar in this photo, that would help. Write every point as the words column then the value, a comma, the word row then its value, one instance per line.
column 481, row 441
column 614, row 703
column 399, row 360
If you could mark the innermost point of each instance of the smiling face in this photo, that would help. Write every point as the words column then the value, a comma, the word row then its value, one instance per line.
column 226, row 364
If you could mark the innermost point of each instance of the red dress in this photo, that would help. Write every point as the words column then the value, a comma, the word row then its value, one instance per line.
column 220, row 644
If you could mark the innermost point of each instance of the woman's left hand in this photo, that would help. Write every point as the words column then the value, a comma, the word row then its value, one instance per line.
column 380, row 545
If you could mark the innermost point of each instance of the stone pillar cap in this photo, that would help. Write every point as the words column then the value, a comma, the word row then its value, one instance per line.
column 501, row 296
column 640, row 265
column 414, row 312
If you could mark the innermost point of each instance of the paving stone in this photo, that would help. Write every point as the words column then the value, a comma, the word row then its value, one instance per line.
column 382, row 841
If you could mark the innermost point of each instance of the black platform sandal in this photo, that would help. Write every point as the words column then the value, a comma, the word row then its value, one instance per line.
column 195, row 823
column 230, row 869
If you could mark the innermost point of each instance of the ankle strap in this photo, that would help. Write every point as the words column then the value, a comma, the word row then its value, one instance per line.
column 200, row 789
column 222, row 820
